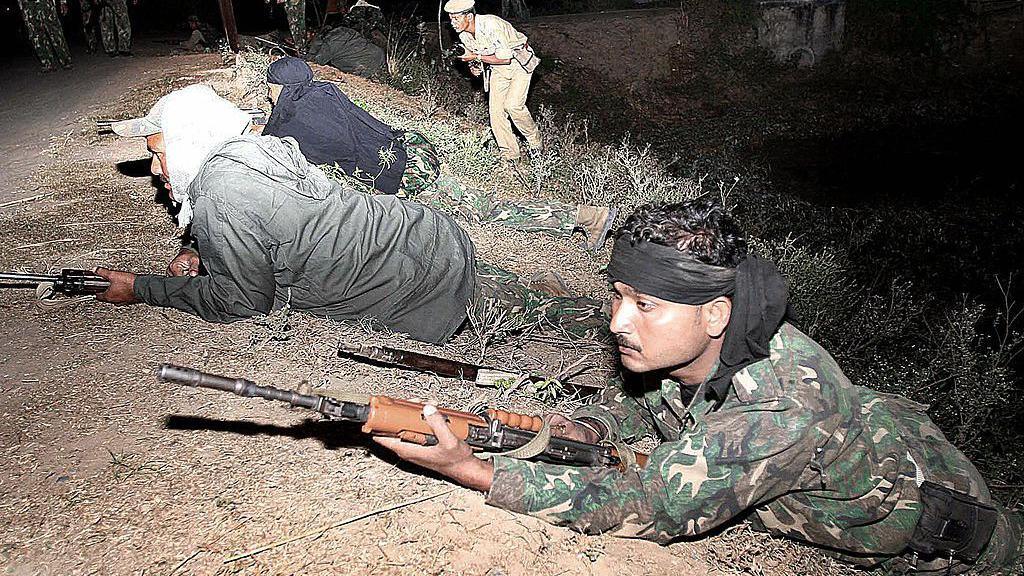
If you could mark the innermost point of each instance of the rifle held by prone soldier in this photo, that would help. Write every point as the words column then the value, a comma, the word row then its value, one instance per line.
column 494, row 430
column 69, row 282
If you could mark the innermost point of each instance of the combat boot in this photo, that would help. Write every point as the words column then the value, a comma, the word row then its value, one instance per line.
column 549, row 282
column 596, row 222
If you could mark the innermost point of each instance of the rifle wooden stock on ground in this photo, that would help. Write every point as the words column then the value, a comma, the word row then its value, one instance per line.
column 445, row 367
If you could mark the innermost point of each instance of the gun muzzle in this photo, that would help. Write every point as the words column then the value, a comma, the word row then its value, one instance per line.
column 240, row 386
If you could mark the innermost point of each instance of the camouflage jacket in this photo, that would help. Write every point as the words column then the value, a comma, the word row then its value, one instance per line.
column 811, row 455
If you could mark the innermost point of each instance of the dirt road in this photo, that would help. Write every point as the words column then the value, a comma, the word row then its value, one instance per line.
column 38, row 111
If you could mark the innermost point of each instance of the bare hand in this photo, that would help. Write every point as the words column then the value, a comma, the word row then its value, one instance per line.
column 186, row 263
column 469, row 56
column 572, row 430
column 450, row 457
column 122, row 287
column 476, row 70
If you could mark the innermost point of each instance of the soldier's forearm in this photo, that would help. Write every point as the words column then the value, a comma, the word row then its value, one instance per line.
column 494, row 60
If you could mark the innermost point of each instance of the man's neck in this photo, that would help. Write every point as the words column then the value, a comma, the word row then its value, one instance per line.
column 699, row 370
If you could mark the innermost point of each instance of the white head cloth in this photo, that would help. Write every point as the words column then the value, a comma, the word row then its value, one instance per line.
column 195, row 121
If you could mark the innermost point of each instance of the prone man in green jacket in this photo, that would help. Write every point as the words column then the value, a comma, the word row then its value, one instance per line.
column 757, row 422
column 269, row 229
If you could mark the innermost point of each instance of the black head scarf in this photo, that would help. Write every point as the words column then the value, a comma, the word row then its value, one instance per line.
column 758, row 291
column 331, row 129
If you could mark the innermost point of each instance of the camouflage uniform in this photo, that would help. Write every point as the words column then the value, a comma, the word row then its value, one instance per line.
column 544, row 216
column 115, row 26
column 90, row 18
column 793, row 445
column 46, row 32
column 296, row 12
column 581, row 317
column 423, row 182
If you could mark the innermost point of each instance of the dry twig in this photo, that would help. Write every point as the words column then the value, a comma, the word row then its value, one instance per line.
column 319, row 531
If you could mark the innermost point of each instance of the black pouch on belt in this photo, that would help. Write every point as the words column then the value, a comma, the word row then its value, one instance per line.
column 952, row 523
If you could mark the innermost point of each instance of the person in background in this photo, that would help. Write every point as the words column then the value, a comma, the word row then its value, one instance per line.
column 502, row 54
column 46, row 32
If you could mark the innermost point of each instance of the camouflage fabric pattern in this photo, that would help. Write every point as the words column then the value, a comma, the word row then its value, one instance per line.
column 90, row 23
column 544, row 216
column 115, row 26
column 296, row 12
column 46, row 33
column 422, row 165
column 495, row 286
column 812, row 456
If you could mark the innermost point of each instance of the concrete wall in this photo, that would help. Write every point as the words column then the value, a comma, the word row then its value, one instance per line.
column 801, row 30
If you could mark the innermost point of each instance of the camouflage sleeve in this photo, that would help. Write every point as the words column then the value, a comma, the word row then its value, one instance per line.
column 622, row 415
column 713, row 473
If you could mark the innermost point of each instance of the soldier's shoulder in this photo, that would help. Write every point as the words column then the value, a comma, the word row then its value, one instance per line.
column 491, row 22
column 802, row 363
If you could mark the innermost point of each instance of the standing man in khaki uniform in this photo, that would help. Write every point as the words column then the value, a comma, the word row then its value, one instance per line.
column 501, row 53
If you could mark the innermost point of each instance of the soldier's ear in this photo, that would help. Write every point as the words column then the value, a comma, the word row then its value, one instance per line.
column 716, row 316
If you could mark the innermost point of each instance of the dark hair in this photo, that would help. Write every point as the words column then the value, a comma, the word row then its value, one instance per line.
column 701, row 229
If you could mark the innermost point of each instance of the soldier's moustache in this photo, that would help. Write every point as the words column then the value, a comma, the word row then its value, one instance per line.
column 666, row 273
column 625, row 343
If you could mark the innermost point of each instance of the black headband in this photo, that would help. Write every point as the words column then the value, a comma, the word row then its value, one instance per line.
column 666, row 273
column 758, row 291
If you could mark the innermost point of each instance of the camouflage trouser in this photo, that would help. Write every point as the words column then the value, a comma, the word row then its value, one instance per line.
column 115, row 26
column 422, row 166
column 545, row 216
column 46, row 33
column 423, row 182
column 941, row 462
column 296, row 12
column 90, row 19
column 497, row 288
column 1002, row 555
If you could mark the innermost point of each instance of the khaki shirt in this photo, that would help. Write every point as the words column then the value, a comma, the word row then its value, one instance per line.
column 494, row 37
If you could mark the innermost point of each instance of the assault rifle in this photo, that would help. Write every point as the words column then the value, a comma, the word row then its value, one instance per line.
column 493, row 430
column 69, row 282
column 286, row 48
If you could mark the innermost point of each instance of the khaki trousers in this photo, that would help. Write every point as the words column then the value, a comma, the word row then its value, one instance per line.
column 507, row 99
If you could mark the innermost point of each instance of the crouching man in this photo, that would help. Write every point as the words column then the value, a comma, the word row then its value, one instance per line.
column 758, row 422
column 268, row 229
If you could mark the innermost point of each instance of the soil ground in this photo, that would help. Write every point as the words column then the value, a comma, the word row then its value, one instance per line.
column 106, row 471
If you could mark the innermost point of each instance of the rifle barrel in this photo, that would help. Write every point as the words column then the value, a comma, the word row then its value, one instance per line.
column 239, row 386
column 26, row 279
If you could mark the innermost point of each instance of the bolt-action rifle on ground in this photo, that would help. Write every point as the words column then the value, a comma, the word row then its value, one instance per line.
column 258, row 117
column 494, row 430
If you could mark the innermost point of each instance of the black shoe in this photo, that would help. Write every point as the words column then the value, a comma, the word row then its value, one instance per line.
column 126, row 53
column 112, row 54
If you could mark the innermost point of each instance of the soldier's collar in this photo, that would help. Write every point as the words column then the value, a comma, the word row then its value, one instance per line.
column 716, row 387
